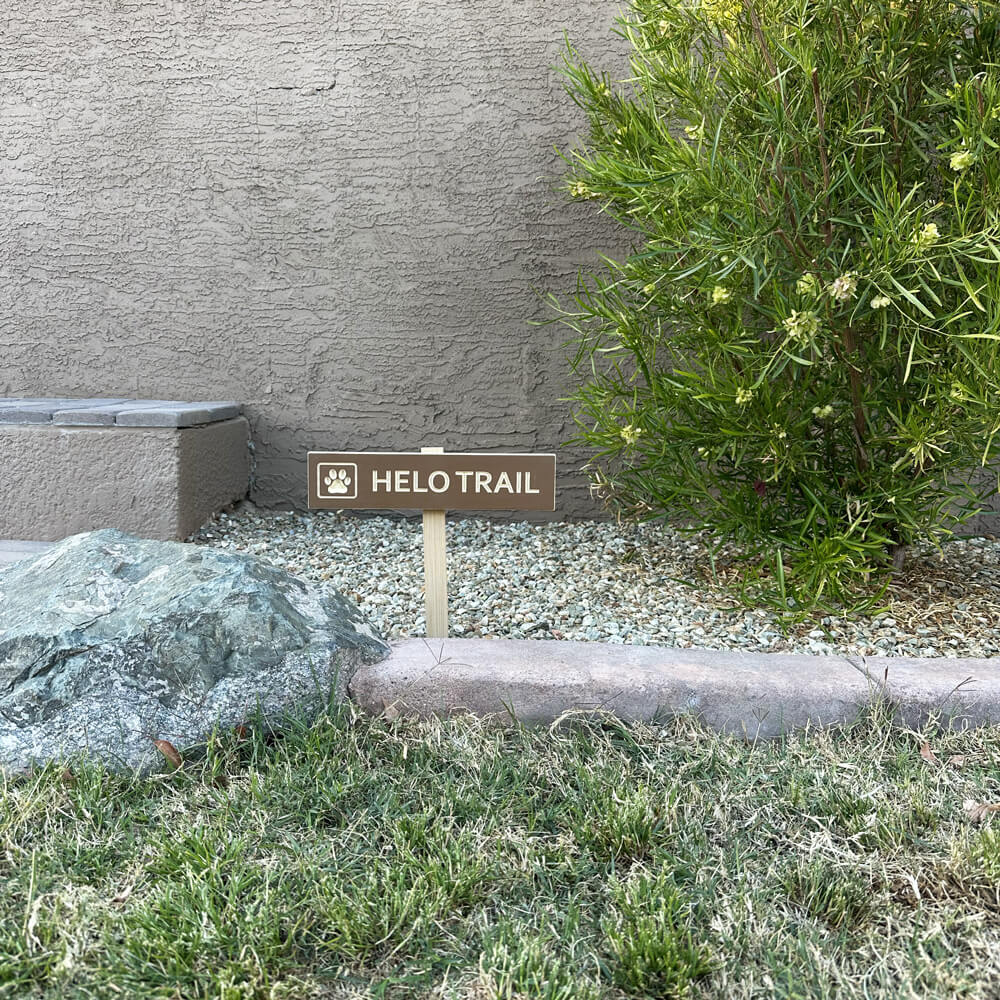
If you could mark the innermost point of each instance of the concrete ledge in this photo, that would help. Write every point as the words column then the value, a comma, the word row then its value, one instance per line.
column 103, row 412
column 157, row 482
column 14, row 550
column 758, row 694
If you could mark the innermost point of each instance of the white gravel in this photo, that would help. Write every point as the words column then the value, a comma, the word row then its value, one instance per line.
column 595, row 580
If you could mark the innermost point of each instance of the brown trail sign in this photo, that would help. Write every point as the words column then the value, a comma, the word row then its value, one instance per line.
column 432, row 481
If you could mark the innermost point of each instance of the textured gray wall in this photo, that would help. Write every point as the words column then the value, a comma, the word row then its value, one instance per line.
column 334, row 212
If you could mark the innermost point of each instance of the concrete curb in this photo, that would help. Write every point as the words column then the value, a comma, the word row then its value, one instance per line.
column 758, row 694
column 13, row 550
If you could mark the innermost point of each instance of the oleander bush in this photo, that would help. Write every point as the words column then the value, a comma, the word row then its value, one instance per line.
column 800, row 353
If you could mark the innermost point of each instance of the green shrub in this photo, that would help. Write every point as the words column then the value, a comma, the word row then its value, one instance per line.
column 800, row 353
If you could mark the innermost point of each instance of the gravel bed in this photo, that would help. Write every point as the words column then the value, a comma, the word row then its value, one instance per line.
column 599, row 581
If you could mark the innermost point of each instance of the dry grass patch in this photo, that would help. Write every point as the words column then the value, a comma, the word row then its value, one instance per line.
column 364, row 858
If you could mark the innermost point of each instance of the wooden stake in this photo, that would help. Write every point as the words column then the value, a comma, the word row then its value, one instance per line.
column 435, row 568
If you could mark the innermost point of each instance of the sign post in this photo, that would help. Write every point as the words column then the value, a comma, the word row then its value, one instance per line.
column 435, row 568
column 432, row 481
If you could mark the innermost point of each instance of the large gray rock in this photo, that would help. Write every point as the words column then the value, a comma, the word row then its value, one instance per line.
column 108, row 642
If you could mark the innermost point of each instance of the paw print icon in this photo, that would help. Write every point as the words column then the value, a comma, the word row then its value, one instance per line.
column 337, row 480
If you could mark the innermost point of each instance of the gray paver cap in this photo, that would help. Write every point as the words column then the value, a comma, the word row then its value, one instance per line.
column 178, row 414
column 82, row 414
column 39, row 411
column 106, row 412
column 104, row 415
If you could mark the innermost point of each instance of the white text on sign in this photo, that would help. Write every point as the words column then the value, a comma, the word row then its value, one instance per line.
column 439, row 481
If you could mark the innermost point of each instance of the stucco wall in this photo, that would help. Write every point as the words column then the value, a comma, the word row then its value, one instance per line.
column 334, row 212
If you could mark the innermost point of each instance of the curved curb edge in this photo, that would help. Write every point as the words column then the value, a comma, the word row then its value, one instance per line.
column 760, row 695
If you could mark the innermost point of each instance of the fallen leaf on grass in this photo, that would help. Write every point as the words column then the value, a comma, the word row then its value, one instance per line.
column 928, row 754
column 976, row 812
column 169, row 751
column 123, row 895
column 242, row 731
column 957, row 760
column 912, row 892
column 67, row 777
column 391, row 713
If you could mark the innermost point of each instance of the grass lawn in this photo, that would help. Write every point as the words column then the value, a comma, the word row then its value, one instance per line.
column 368, row 858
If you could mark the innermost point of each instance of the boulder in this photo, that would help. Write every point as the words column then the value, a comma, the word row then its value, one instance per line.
column 109, row 642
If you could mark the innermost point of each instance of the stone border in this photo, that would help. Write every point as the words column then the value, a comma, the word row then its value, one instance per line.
column 103, row 412
column 760, row 695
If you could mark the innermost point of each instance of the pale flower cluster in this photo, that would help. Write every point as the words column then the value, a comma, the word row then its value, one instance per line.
column 743, row 396
column 630, row 434
column 721, row 13
column 927, row 236
column 802, row 326
column 808, row 284
column 579, row 190
column 844, row 287
column 962, row 160
column 881, row 301
column 720, row 294
column 823, row 412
